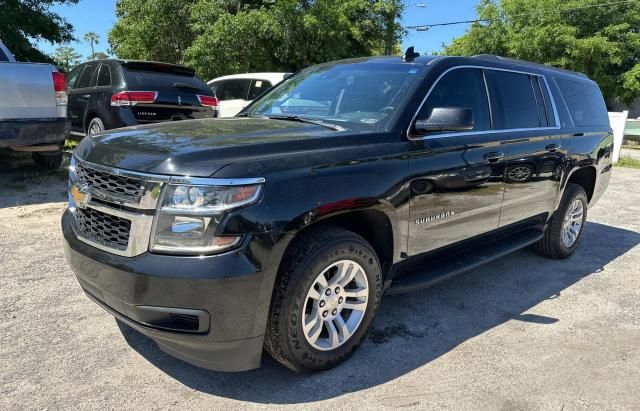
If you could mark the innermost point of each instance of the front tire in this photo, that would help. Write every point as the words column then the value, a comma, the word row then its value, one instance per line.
column 327, row 294
column 564, row 231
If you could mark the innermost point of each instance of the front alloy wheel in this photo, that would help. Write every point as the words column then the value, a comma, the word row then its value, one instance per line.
column 325, row 298
column 335, row 305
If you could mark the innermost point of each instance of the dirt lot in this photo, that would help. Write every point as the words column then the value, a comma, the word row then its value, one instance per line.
column 520, row 333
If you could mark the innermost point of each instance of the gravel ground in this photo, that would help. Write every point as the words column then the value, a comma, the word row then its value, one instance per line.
column 630, row 152
column 520, row 333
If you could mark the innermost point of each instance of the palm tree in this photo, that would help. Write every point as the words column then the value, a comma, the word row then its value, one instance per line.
column 92, row 38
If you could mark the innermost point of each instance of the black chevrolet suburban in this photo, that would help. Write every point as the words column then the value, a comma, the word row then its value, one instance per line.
column 283, row 227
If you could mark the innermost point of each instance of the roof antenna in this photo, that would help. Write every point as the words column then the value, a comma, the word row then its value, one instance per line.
column 409, row 55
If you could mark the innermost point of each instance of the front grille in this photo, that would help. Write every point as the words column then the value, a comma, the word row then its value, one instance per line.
column 103, row 228
column 112, row 185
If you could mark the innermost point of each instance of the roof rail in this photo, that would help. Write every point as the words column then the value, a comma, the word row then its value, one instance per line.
column 543, row 66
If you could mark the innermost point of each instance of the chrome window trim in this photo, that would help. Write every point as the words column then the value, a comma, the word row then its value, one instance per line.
column 470, row 133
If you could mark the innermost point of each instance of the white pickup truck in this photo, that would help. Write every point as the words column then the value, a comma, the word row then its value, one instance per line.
column 33, row 109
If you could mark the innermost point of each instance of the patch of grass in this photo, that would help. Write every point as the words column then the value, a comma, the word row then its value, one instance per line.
column 626, row 161
column 70, row 145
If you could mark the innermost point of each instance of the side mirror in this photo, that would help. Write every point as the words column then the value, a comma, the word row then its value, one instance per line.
column 446, row 119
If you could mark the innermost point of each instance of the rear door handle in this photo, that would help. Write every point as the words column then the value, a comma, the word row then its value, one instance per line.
column 553, row 147
column 86, row 96
column 494, row 156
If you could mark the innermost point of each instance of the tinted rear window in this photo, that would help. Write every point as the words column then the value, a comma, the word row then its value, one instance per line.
column 233, row 89
column 149, row 80
column 584, row 102
column 514, row 101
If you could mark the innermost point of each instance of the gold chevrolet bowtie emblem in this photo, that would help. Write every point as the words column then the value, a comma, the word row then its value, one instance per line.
column 81, row 195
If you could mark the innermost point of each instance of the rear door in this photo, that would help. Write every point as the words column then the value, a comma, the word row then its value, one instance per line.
column 525, row 118
column 80, row 94
column 177, row 91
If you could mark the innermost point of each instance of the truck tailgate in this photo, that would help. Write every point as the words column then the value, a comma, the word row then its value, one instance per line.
column 27, row 91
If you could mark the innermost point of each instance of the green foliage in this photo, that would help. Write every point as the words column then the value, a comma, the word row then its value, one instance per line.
column 626, row 161
column 100, row 55
column 602, row 42
column 218, row 37
column 22, row 22
column 152, row 29
column 66, row 58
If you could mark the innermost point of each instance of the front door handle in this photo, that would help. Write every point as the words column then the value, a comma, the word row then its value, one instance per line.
column 553, row 147
column 494, row 156
column 86, row 96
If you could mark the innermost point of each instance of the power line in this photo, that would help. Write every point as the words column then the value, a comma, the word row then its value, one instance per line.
column 425, row 27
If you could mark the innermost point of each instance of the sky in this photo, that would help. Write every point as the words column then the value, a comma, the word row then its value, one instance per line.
column 99, row 16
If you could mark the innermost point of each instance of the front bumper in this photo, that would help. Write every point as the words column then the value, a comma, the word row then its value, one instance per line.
column 231, row 292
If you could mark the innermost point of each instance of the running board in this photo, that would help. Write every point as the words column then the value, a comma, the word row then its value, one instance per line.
column 440, row 266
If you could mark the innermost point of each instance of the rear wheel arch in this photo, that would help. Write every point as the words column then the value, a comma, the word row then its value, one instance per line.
column 585, row 177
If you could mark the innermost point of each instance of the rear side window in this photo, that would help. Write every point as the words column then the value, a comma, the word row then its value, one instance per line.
column 258, row 87
column 514, row 101
column 104, row 76
column 584, row 102
column 233, row 89
column 87, row 74
column 462, row 88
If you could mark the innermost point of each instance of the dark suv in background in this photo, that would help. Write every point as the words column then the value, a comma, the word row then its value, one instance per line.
column 107, row 94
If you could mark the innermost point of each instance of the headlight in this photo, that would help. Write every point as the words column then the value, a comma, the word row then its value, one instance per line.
column 189, row 215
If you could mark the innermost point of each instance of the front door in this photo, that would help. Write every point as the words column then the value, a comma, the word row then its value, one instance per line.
column 79, row 96
column 457, row 178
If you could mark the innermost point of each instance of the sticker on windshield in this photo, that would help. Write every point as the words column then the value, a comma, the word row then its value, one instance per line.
column 369, row 120
column 413, row 71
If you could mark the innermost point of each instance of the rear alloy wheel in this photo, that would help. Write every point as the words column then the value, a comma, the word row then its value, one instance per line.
column 95, row 126
column 324, row 301
column 564, row 229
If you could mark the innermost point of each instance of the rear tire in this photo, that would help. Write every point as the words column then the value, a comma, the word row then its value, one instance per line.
column 564, row 230
column 47, row 160
column 301, row 335
column 95, row 126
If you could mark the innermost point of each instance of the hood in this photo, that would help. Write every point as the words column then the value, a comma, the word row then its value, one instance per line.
column 197, row 147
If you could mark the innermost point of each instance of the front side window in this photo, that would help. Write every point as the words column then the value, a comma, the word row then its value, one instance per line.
column 514, row 100
column 461, row 88
column 72, row 76
column 104, row 76
column 353, row 95
column 87, row 74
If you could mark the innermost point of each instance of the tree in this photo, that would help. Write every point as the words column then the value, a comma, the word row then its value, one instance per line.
column 66, row 58
column 23, row 22
column 100, row 55
column 92, row 38
column 602, row 42
column 152, row 29
column 229, row 36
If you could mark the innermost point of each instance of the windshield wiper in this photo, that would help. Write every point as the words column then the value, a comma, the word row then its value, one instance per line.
column 310, row 121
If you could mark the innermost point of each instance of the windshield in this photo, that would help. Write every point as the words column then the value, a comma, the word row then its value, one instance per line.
column 353, row 95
